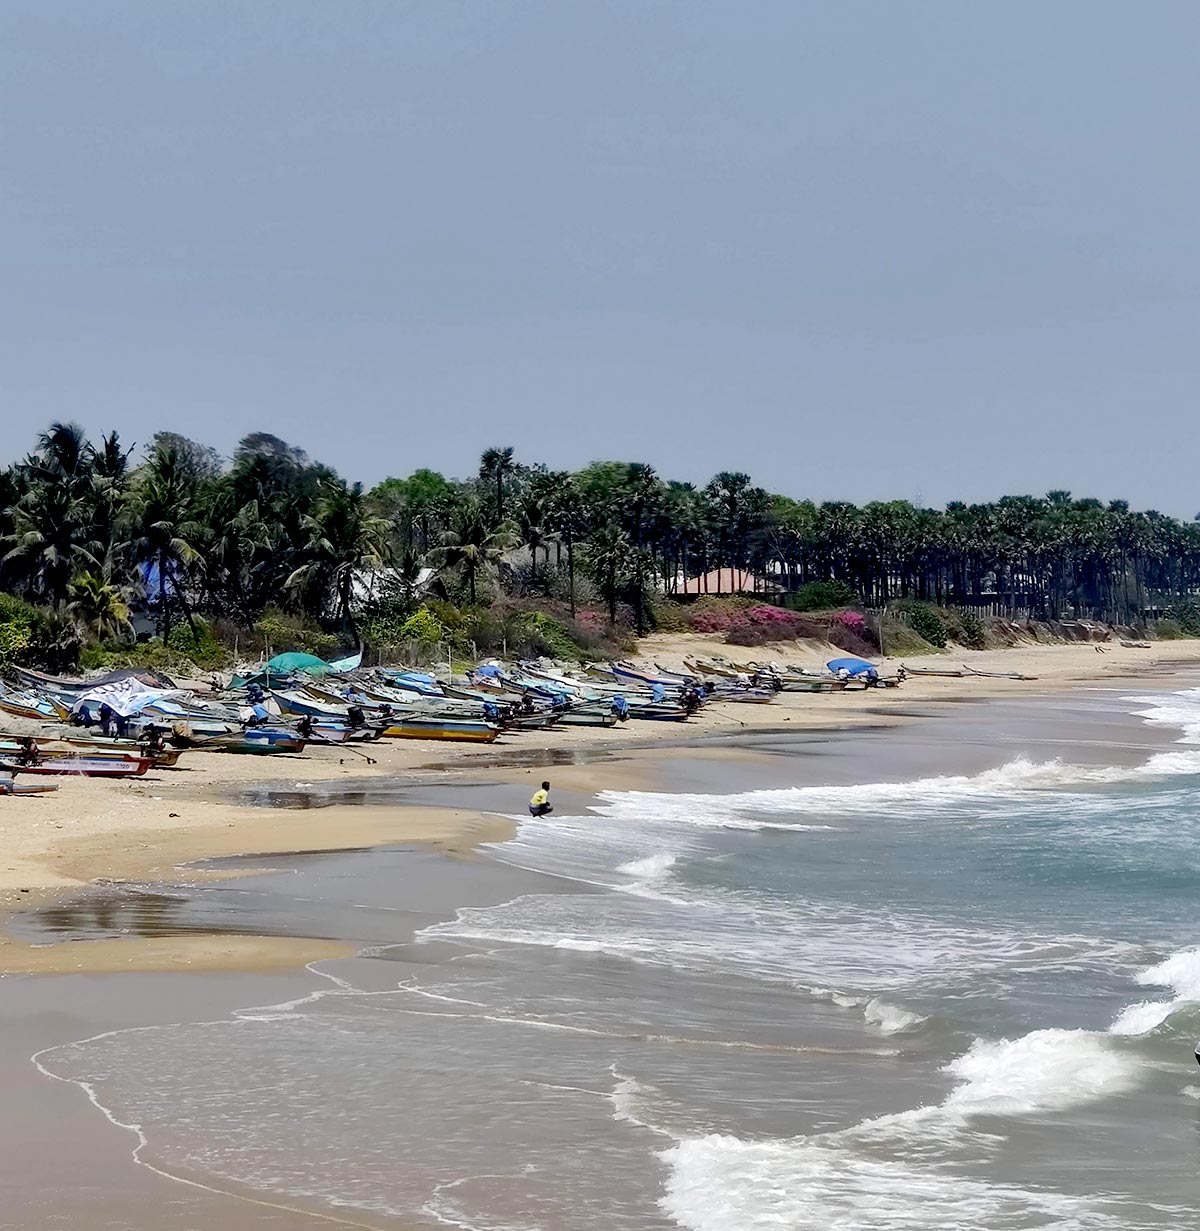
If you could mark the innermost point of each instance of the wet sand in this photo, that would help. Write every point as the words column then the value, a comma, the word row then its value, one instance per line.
column 64, row 1163
column 93, row 828
column 95, row 832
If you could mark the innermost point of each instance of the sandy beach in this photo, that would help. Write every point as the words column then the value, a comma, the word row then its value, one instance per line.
column 79, row 861
column 92, row 830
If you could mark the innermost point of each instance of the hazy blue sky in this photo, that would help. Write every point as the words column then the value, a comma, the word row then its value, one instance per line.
column 862, row 250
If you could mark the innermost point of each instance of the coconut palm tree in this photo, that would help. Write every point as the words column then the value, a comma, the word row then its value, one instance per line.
column 98, row 607
column 344, row 538
column 163, row 511
column 242, row 555
column 63, row 455
column 109, row 481
column 49, row 541
column 472, row 547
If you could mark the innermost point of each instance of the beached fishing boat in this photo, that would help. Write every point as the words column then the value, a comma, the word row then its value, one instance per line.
column 468, row 730
column 588, row 718
column 792, row 683
column 624, row 671
column 746, row 696
column 259, row 741
column 54, row 746
column 299, row 703
column 658, row 711
column 998, row 675
column 87, row 767
column 34, row 708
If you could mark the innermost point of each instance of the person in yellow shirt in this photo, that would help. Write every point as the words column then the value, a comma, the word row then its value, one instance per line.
column 540, row 804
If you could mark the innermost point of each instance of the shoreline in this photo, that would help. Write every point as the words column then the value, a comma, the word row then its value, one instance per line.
column 92, row 831
column 116, row 984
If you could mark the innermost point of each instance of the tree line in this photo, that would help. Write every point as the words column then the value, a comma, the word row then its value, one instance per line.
column 87, row 530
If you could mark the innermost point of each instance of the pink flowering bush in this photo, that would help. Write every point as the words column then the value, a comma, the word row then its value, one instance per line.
column 710, row 614
column 710, row 621
column 760, row 624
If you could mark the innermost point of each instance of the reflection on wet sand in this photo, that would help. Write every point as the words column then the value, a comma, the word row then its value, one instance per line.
column 114, row 913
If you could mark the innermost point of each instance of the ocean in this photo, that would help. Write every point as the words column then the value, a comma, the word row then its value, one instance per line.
column 962, row 1000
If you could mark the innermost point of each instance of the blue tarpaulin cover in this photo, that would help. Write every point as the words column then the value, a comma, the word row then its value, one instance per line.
column 854, row 667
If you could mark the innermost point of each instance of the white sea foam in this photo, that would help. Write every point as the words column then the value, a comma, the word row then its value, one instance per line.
column 1046, row 1070
column 744, row 810
column 631, row 1100
column 649, row 868
column 895, row 1171
column 580, row 946
column 889, row 1018
column 722, row 1183
column 1181, row 973
column 795, row 942
column 1176, row 709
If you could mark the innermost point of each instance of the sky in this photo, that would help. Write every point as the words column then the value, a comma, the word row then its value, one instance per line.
column 862, row 251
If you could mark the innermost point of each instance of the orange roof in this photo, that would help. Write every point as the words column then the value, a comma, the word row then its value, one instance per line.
column 727, row 581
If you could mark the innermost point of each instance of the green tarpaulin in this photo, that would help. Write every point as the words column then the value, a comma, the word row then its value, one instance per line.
column 310, row 664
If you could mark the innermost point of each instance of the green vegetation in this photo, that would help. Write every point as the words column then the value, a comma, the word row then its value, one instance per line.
column 31, row 637
column 1185, row 613
column 423, row 626
column 821, row 596
column 901, row 640
column 965, row 627
column 276, row 632
column 208, row 558
column 925, row 620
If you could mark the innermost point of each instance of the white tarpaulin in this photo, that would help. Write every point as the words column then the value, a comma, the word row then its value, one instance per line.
column 127, row 697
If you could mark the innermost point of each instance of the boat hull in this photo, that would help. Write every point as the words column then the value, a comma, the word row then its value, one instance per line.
column 471, row 733
column 80, row 766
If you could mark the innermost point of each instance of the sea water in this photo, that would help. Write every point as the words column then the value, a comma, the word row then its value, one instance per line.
column 961, row 1001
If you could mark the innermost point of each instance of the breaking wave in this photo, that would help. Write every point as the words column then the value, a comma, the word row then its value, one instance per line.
column 897, row 1171
column 1181, row 973
column 1021, row 776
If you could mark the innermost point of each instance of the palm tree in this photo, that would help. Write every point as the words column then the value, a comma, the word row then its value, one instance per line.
column 62, row 456
column 494, row 467
column 535, row 524
column 472, row 547
column 569, row 519
column 241, row 558
column 344, row 538
column 49, row 541
column 610, row 562
column 50, row 526
column 163, row 511
column 98, row 607
column 108, row 484
column 727, row 491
